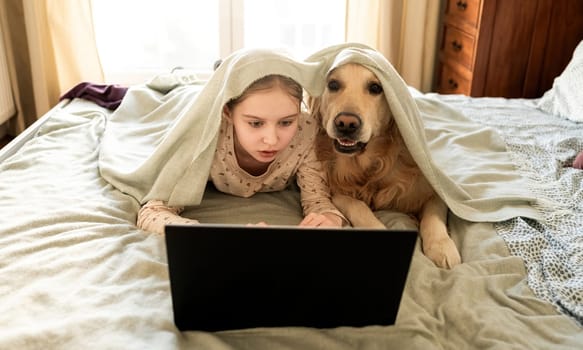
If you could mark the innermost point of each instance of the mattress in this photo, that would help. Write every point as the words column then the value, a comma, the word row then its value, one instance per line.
column 76, row 272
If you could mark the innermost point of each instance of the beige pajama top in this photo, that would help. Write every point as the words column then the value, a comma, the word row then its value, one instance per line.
column 298, row 161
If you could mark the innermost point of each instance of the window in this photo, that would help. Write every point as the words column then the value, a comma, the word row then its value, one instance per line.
column 137, row 39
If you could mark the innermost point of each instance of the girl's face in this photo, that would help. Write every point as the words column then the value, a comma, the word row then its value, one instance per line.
column 264, row 124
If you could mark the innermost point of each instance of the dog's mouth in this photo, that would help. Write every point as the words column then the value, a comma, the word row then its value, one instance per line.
column 344, row 145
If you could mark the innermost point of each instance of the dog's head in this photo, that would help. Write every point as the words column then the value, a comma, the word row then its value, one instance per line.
column 353, row 108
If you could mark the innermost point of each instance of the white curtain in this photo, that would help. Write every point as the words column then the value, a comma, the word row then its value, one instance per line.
column 7, row 109
column 50, row 46
column 405, row 31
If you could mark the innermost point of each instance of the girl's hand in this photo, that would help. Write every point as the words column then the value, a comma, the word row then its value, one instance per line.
column 261, row 223
column 321, row 220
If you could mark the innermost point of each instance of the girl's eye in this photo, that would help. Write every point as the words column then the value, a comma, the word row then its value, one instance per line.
column 333, row 85
column 286, row 122
column 255, row 124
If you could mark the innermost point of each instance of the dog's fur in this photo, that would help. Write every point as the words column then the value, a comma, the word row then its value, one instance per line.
column 368, row 165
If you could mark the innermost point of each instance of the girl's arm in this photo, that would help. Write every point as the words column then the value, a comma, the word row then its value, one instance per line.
column 155, row 214
column 315, row 195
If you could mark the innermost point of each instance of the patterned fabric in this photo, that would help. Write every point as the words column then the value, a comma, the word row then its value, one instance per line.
column 565, row 98
column 543, row 147
column 296, row 163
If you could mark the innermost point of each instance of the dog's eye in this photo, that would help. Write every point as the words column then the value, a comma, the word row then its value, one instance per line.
column 333, row 85
column 375, row 88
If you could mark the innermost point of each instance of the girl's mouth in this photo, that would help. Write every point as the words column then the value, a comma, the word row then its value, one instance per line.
column 268, row 154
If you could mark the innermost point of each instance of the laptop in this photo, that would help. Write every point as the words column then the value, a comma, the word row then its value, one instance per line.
column 225, row 277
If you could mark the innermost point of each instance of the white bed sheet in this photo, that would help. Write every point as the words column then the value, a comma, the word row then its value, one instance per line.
column 75, row 272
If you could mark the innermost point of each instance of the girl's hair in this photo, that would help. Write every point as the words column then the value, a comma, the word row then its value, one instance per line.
column 294, row 89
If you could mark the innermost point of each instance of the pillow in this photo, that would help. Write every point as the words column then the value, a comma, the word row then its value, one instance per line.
column 565, row 98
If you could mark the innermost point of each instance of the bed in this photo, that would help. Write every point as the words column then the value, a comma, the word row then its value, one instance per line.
column 75, row 271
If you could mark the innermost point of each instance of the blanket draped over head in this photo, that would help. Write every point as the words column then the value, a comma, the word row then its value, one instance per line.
column 160, row 142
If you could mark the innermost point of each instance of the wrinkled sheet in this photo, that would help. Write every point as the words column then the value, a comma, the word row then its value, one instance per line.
column 543, row 147
column 76, row 273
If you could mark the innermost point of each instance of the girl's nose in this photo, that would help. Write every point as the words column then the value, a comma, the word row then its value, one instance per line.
column 270, row 137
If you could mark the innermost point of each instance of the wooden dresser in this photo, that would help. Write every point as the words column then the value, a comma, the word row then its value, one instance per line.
column 509, row 48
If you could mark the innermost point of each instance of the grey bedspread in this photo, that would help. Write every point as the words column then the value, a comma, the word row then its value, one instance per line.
column 543, row 147
column 75, row 272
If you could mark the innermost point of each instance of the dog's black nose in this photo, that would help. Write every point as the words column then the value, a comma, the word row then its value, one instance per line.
column 347, row 122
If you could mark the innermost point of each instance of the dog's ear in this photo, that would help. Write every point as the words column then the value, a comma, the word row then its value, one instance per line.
column 314, row 107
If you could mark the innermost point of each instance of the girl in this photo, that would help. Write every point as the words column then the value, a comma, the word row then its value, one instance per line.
column 264, row 142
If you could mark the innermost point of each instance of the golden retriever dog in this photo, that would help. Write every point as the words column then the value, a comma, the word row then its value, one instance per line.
column 368, row 165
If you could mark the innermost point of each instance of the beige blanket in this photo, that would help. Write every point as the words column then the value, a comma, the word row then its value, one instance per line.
column 159, row 144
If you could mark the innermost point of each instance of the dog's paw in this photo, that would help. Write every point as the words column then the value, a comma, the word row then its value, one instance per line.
column 357, row 212
column 344, row 203
column 442, row 252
